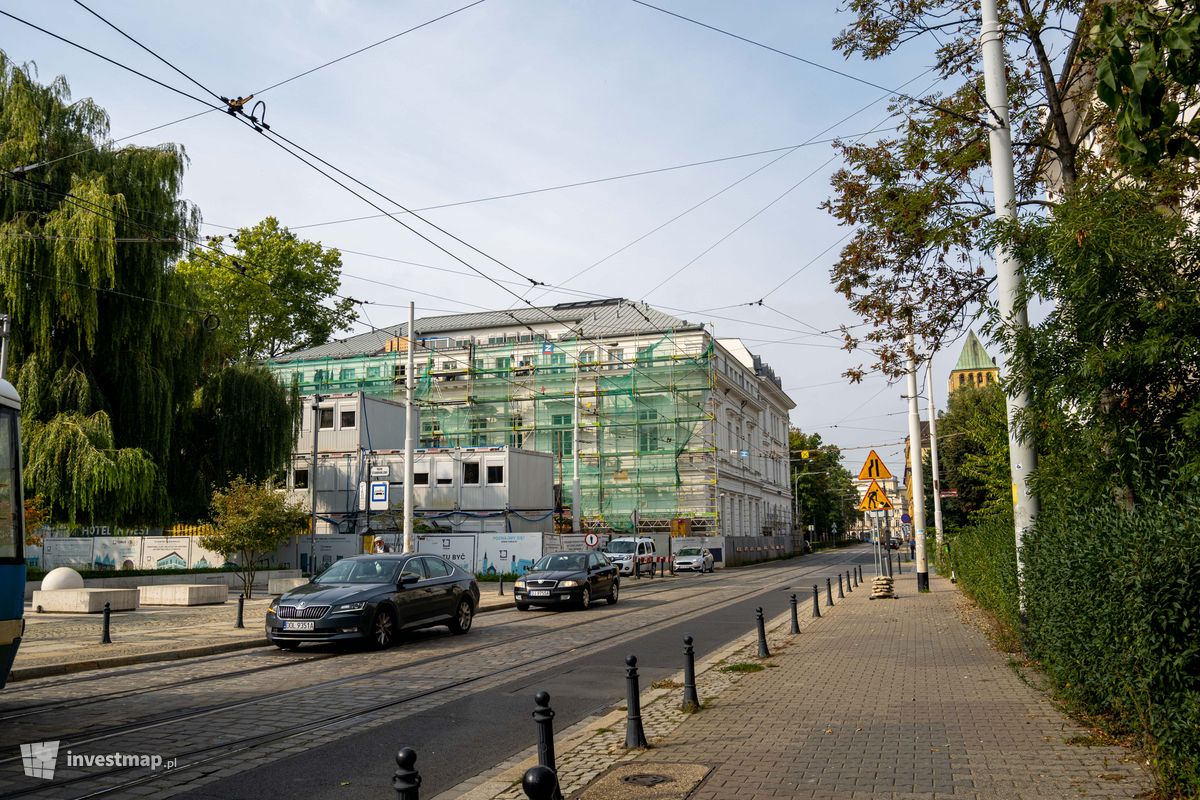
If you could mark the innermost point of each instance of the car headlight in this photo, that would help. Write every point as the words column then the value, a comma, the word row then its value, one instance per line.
column 567, row 584
column 520, row 584
column 347, row 608
column 271, row 608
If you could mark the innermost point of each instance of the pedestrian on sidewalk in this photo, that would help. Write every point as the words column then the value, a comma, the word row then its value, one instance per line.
column 912, row 548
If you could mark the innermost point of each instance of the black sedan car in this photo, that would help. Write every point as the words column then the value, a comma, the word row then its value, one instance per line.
column 561, row 579
column 372, row 598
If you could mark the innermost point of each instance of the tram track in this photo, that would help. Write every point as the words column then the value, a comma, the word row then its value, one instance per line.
column 205, row 755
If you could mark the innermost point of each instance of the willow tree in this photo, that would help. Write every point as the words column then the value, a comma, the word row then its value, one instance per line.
column 112, row 351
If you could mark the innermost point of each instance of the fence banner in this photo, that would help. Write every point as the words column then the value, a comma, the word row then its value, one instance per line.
column 165, row 552
column 74, row 553
column 117, row 552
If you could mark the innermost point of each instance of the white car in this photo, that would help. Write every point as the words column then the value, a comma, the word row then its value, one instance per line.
column 698, row 559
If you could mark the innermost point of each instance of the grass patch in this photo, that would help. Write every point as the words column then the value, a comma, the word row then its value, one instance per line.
column 666, row 683
column 743, row 666
column 1088, row 740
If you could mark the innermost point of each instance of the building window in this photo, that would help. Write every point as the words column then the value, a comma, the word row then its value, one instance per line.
column 346, row 374
column 373, row 372
column 645, row 356
column 477, row 365
column 347, row 419
column 558, row 363
column 647, row 430
column 616, row 358
column 495, row 474
column 420, row 479
column 325, row 419
column 470, row 473
column 503, row 363
column 477, row 438
column 587, row 357
column 300, row 479
column 398, row 370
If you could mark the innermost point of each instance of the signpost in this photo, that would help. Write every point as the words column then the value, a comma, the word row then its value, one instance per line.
column 875, row 500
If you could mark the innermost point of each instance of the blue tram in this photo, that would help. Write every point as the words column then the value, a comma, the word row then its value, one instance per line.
column 12, row 531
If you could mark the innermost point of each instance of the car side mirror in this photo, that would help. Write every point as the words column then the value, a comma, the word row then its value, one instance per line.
column 408, row 579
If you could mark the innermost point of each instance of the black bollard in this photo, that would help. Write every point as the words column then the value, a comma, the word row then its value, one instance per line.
column 540, row 783
column 795, row 619
column 406, row 781
column 501, row 592
column 828, row 592
column 543, row 715
column 105, row 634
column 849, row 585
column 635, row 736
column 840, row 595
column 241, row 611
column 691, row 700
column 899, row 564
column 816, row 602
column 763, row 652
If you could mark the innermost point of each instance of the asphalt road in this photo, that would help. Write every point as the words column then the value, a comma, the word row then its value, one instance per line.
column 466, row 736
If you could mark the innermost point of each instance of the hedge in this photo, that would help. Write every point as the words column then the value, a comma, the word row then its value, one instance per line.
column 983, row 558
column 1113, row 611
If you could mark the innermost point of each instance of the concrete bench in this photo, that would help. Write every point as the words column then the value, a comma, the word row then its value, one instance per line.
column 184, row 594
column 277, row 586
column 85, row 601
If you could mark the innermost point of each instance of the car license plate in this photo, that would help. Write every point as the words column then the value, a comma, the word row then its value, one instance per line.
column 290, row 625
column 539, row 592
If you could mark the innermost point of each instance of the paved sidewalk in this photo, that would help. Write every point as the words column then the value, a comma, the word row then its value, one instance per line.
column 58, row 644
column 878, row 699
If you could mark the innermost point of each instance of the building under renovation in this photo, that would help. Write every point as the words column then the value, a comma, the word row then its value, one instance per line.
column 672, row 429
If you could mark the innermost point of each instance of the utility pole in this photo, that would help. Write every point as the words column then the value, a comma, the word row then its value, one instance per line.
column 933, row 457
column 312, row 481
column 1021, row 457
column 916, row 475
column 409, row 424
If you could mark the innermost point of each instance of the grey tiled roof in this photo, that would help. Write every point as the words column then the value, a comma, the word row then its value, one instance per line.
column 597, row 319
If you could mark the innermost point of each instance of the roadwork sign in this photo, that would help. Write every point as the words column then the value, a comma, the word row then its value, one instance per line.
column 875, row 499
column 873, row 469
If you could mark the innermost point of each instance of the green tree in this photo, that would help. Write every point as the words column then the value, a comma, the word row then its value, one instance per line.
column 973, row 454
column 104, row 338
column 825, row 490
column 242, row 421
column 1148, row 72
column 271, row 294
column 1114, row 368
column 251, row 521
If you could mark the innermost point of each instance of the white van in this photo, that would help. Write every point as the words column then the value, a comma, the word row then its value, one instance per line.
column 626, row 552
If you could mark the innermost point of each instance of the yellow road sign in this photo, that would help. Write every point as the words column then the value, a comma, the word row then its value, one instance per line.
column 875, row 499
column 873, row 469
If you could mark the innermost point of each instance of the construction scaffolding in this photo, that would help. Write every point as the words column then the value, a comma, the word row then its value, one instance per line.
column 643, row 425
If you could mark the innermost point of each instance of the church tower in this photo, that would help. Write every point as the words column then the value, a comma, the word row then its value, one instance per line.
column 975, row 367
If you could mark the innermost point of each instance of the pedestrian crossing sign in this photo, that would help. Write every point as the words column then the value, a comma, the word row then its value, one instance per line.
column 873, row 469
column 875, row 499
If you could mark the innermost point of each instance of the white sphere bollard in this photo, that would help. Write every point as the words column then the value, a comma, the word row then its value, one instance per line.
column 62, row 578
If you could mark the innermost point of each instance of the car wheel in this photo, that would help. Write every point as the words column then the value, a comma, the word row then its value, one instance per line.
column 585, row 599
column 462, row 619
column 382, row 632
column 285, row 645
column 522, row 606
column 612, row 596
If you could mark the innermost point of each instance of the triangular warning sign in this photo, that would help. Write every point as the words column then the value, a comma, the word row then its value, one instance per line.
column 873, row 469
column 875, row 499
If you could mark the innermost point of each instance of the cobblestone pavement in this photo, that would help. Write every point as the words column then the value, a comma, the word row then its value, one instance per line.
column 224, row 714
column 71, row 642
column 878, row 699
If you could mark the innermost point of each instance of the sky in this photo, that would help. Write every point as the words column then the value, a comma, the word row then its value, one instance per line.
column 509, row 96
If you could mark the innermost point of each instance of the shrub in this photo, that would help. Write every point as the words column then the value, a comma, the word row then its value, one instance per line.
column 1113, row 606
column 984, row 559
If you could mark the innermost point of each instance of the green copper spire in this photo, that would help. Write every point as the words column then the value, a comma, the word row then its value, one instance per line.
column 973, row 356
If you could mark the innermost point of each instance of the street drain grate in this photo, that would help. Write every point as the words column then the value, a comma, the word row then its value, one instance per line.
column 647, row 779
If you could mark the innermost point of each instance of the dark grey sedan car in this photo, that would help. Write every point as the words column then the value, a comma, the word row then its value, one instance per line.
column 372, row 598
column 559, row 579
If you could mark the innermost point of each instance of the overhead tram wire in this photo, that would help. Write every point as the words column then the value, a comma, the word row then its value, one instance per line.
column 817, row 65
column 722, row 191
column 256, row 92
column 273, row 136
column 562, row 186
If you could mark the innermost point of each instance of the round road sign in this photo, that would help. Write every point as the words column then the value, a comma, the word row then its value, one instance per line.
column 591, row 540
column 905, row 518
